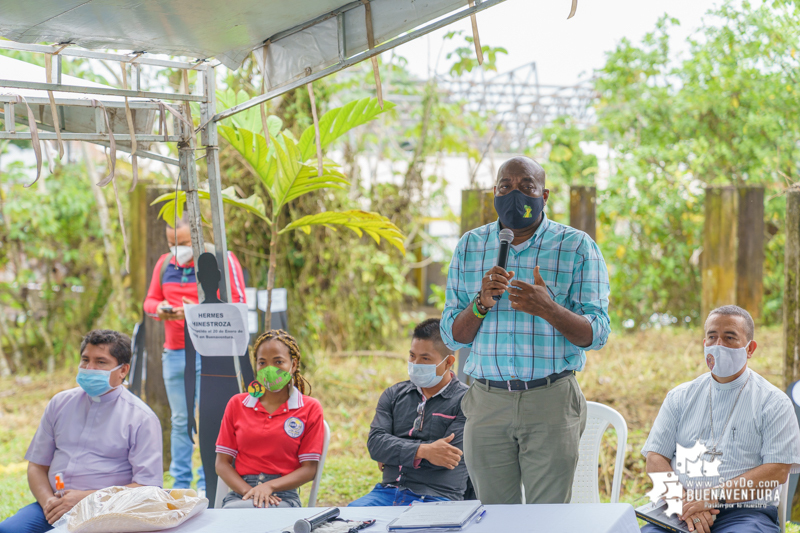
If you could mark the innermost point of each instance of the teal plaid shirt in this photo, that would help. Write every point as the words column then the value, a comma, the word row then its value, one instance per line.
column 515, row 345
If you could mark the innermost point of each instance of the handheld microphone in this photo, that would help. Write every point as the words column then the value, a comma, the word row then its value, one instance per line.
column 306, row 525
column 506, row 236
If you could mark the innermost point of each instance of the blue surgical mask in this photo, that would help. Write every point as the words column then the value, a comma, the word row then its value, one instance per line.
column 95, row 382
column 517, row 210
column 424, row 376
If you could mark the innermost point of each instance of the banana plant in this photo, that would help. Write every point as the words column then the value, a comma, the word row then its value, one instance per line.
column 288, row 169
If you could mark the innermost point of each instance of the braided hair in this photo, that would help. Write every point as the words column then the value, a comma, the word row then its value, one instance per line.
column 294, row 351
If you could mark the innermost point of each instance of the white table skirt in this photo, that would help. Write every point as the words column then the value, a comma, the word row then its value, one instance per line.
column 573, row 518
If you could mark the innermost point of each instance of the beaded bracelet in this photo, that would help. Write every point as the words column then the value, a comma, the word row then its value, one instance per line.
column 475, row 310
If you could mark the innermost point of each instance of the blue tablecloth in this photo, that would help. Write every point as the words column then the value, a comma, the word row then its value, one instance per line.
column 571, row 518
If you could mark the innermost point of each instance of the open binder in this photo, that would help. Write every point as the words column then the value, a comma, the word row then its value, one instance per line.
column 451, row 516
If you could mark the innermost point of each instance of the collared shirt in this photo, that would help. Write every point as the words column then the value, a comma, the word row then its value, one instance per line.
column 394, row 442
column 114, row 439
column 512, row 344
column 762, row 429
column 271, row 443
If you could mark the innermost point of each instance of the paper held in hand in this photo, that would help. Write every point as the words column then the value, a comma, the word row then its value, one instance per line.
column 218, row 329
column 436, row 515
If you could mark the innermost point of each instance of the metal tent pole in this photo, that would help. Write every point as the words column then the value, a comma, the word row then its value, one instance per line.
column 188, row 175
column 210, row 139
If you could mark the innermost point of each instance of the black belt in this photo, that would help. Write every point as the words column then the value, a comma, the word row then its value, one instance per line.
column 516, row 384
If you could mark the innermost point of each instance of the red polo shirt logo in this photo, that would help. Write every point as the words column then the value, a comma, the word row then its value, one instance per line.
column 294, row 427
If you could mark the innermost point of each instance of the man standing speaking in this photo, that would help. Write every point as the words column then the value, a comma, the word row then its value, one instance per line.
column 525, row 411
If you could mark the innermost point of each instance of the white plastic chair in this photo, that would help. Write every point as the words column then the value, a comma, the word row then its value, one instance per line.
column 223, row 489
column 783, row 506
column 585, row 487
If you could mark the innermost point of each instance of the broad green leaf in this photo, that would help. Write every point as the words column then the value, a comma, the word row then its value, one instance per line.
column 339, row 121
column 249, row 119
column 373, row 224
column 253, row 148
column 169, row 211
column 253, row 204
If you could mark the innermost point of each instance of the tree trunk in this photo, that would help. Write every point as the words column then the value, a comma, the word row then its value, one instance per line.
column 117, row 287
column 791, row 293
column 273, row 264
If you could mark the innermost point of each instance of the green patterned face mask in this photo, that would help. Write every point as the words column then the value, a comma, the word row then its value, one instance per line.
column 273, row 378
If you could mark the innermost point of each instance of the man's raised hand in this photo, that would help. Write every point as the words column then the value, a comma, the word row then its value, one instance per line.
column 532, row 299
column 494, row 283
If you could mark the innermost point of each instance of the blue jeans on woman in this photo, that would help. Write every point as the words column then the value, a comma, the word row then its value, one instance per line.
column 173, row 364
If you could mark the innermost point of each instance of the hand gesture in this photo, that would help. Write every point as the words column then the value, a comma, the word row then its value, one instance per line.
column 380, row 466
column 441, row 452
column 494, row 283
column 262, row 496
column 175, row 314
column 532, row 299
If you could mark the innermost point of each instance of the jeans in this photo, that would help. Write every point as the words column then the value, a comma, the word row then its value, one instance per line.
column 173, row 364
column 29, row 519
column 382, row 496
column 289, row 498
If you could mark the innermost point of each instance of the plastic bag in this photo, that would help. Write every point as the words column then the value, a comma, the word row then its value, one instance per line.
column 131, row 510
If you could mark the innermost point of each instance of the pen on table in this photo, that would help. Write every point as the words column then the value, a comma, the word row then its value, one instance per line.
column 480, row 516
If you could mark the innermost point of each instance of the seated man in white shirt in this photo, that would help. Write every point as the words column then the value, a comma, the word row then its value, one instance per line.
column 747, row 425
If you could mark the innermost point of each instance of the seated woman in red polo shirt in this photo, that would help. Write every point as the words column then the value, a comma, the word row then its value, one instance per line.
column 274, row 431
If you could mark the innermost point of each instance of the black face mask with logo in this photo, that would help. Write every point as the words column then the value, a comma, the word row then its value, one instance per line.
column 517, row 210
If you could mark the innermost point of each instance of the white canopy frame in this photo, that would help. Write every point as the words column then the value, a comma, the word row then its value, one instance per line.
column 393, row 23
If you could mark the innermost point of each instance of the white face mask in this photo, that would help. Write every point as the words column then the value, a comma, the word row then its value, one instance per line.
column 424, row 376
column 182, row 254
column 724, row 362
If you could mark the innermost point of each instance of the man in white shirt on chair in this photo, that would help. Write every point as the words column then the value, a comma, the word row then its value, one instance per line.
column 731, row 422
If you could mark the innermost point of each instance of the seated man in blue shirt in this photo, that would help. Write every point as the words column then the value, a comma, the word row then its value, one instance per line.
column 417, row 433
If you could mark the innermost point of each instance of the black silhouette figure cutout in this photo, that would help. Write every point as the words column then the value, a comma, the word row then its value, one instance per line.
column 209, row 276
column 218, row 381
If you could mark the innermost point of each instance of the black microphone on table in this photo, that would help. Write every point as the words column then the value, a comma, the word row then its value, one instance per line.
column 506, row 236
column 306, row 525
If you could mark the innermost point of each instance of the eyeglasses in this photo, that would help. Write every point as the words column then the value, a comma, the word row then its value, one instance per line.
column 420, row 416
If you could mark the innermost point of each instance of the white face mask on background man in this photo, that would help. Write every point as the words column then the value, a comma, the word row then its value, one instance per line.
column 182, row 254
column 724, row 362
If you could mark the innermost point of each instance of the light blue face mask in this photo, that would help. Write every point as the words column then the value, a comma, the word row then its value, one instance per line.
column 424, row 376
column 95, row 382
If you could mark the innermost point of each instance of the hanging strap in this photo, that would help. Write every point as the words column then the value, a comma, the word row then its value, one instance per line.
column 131, row 129
column 476, row 38
column 316, row 123
column 264, row 80
column 573, row 9
column 48, row 72
column 37, row 148
column 162, row 123
column 371, row 42
column 113, row 152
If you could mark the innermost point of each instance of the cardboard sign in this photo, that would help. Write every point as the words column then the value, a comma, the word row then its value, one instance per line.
column 218, row 329
column 279, row 302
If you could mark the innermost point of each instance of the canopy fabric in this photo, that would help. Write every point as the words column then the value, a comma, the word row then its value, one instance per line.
column 304, row 33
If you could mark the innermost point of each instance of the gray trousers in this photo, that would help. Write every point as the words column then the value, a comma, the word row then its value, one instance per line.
column 528, row 437
column 289, row 498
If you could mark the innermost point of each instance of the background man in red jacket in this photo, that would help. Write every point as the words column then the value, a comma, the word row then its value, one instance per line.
column 172, row 285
